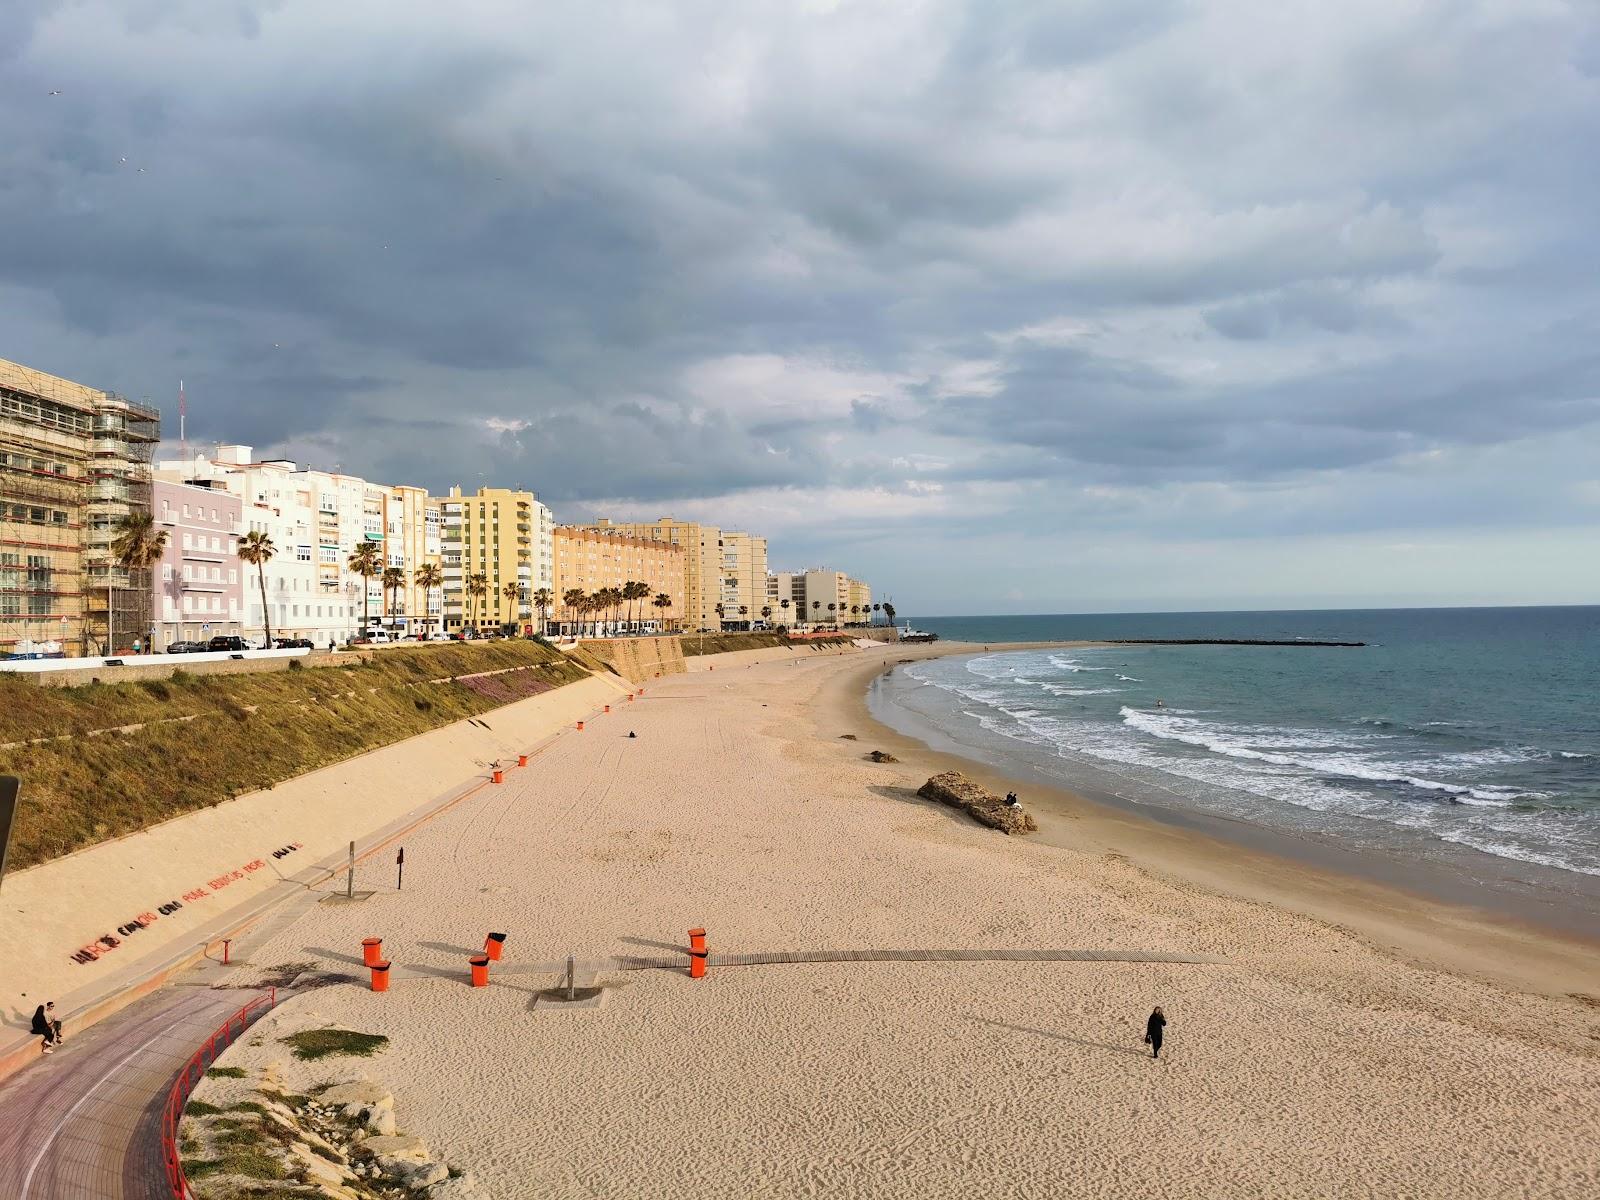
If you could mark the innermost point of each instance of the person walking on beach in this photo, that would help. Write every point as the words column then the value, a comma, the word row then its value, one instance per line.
column 46, row 1026
column 1153, row 1030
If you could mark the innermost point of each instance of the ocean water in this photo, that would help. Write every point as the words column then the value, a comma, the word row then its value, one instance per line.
column 1454, row 733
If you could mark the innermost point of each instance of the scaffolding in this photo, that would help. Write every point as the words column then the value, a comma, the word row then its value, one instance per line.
column 119, row 600
column 43, row 482
column 74, row 461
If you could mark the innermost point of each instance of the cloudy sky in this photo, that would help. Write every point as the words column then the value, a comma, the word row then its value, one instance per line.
column 1008, row 307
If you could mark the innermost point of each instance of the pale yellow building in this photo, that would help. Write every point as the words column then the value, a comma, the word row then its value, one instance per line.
column 859, row 595
column 743, row 579
column 504, row 536
column 411, row 538
column 702, row 564
column 590, row 560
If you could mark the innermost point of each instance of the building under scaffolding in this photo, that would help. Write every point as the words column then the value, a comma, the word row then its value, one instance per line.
column 73, row 462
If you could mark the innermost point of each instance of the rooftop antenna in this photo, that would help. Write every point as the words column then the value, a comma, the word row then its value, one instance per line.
column 183, row 415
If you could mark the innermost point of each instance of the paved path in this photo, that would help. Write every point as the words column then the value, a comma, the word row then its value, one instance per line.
column 85, row 1122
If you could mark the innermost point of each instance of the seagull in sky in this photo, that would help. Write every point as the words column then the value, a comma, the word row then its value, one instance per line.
column 56, row 93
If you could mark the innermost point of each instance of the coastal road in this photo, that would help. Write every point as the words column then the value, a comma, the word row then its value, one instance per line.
column 84, row 1123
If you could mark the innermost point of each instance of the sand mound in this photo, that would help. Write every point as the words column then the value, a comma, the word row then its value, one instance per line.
column 955, row 789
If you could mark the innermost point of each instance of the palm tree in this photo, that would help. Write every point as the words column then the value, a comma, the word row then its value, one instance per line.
column 718, row 610
column 766, row 613
column 784, row 604
column 394, row 578
column 138, row 546
column 513, row 592
column 662, row 601
column 831, row 608
column 641, row 591
column 477, row 589
column 815, row 605
column 573, row 599
column 256, row 548
column 542, row 599
column 888, row 611
column 875, row 608
column 744, row 611
column 364, row 562
column 855, row 611
column 427, row 577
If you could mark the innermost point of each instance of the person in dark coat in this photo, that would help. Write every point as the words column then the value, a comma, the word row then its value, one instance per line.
column 46, row 1026
column 1153, row 1030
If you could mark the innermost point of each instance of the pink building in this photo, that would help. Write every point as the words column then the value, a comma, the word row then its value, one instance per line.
column 199, row 585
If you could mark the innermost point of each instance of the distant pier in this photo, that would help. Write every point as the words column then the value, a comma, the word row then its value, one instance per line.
column 1224, row 642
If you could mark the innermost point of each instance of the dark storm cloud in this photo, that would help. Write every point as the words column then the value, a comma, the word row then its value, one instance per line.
column 957, row 263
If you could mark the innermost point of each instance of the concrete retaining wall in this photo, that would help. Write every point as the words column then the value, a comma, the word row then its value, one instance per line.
column 95, row 926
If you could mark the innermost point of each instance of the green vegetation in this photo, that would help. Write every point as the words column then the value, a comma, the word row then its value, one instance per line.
column 199, row 1108
column 208, row 738
column 312, row 1044
column 225, row 1073
column 726, row 643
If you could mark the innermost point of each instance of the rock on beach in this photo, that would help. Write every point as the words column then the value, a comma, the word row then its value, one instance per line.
column 955, row 789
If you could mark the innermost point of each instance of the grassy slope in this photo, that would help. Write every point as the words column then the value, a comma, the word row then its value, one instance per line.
column 86, row 789
column 723, row 643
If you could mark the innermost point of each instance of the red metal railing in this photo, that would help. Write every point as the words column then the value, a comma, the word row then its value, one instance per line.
column 193, row 1071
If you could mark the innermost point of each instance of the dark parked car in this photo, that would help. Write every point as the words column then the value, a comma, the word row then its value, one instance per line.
column 294, row 644
column 187, row 647
column 227, row 641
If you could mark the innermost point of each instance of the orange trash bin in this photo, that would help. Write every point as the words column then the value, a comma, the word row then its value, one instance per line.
column 371, row 951
column 580, row 726
column 499, row 775
column 493, row 944
column 608, row 708
column 380, row 977
column 480, row 970
column 697, row 964
column 522, row 760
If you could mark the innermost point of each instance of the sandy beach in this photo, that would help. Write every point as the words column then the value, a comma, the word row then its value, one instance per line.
column 1354, row 1042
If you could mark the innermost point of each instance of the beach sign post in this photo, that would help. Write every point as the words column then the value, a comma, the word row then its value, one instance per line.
column 400, row 868
column 350, row 877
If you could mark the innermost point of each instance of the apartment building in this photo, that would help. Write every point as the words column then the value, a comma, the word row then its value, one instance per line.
column 743, row 578
column 411, row 537
column 860, row 596
column 505, row 536
column 703, row 572
column 786, row 597
column 73, row 461
column 199, row 592
column 590, row 560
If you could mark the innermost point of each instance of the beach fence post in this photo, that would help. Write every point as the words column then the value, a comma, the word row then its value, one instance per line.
column 226, row 942
column 499, row 775
column 350, row 877
column 572, row 993
column 697, row 954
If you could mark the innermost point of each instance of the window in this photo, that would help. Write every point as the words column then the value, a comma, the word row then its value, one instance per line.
column 38, row 606
column 188, row 542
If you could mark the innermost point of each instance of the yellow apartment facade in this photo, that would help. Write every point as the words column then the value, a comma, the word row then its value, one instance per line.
column 590, row 560
column 506, row 538
column 702, row 564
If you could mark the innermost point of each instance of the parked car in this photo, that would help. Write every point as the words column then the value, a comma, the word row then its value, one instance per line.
column 294, row 644
column 188, row 647
column 227, row 641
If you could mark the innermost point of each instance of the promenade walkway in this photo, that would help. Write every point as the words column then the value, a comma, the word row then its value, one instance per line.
column 84, row 1123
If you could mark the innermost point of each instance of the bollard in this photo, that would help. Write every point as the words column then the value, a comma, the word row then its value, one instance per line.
column 493, row 944
column 580, row 726
column 371, row 951
column 697, row 940
column 608, row 708
column 572, row 980
column 522, row 760
column 226, row 942
column 499, row 775
column 380, row 977
column 630, row 697
column 697, row 964
column 480, row 970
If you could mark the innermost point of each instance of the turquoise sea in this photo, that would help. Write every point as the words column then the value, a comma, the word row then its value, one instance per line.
column 1456, row 735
